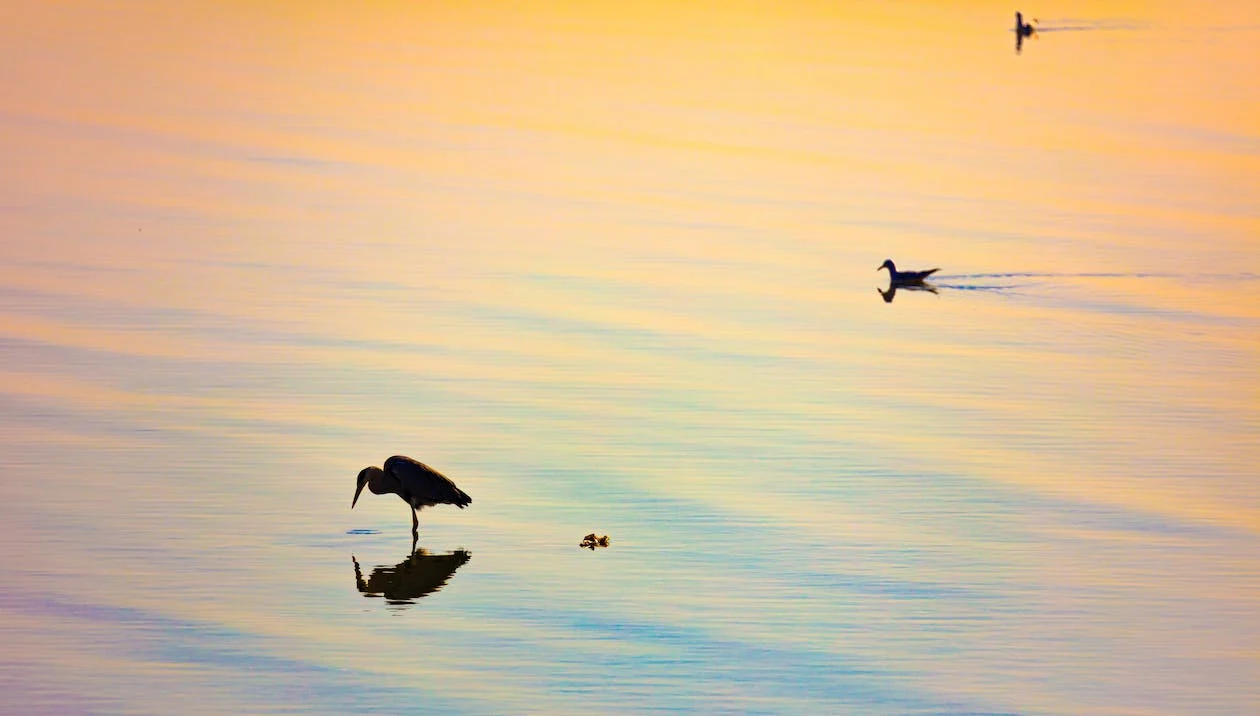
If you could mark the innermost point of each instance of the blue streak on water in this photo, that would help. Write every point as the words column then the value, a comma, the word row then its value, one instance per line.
column 235, row 662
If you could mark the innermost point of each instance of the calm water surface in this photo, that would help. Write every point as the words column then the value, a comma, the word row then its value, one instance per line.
column 612, row 269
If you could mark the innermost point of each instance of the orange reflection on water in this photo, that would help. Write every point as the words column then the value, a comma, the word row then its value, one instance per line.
column 619, row 262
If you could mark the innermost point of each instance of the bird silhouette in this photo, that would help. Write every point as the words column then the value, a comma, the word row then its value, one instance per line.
column 904, row 278
column 1022, row 30
column 417, row 484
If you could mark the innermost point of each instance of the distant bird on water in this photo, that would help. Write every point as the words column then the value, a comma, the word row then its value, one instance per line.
column 1024, row 29
column 417, row 484
column 904, row 278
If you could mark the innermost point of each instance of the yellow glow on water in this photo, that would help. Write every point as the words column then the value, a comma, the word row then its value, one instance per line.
column 613, row 267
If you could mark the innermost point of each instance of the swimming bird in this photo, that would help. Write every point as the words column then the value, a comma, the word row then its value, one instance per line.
column 417, row 484
column 904, row 278
column 1022, row 30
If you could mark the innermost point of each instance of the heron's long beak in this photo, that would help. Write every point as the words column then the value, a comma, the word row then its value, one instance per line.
column 357, row 491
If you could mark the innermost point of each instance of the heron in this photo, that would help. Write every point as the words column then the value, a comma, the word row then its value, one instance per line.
column 904, row 278
column 417, row 484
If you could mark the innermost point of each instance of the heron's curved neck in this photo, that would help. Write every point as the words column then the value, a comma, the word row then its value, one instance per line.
column 379, row 483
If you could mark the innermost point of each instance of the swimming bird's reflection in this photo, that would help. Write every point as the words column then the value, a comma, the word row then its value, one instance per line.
column 891, row 293
column 419, row 575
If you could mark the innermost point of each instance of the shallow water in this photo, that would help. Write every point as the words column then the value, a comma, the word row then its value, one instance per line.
column 612, row 269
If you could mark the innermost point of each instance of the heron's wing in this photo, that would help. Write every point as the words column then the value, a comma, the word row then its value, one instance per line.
column 425, row 483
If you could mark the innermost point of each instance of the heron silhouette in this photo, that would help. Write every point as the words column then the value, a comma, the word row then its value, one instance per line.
column 417, row 484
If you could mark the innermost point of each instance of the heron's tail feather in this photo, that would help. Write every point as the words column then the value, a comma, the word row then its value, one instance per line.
column 459, row 498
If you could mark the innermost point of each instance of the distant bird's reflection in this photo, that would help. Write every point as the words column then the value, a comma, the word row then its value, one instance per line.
column 891, row 293
column 419, row 575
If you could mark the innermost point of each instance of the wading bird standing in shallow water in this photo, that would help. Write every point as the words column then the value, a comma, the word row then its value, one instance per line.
column 417, row 484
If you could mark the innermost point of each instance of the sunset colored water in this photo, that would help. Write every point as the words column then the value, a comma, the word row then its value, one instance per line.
column 612, row 268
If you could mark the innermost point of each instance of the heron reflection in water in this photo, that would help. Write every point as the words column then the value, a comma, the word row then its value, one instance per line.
column 417, row 576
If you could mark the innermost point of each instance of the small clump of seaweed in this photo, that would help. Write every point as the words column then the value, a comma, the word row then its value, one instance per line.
column 591, row 541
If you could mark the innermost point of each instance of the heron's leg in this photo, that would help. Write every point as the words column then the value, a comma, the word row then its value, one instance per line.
column 415, row 526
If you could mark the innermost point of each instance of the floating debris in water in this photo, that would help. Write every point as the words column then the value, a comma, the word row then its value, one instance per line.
column 591, row 541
